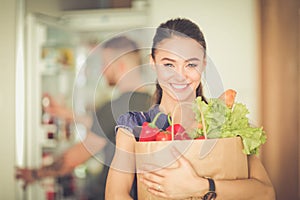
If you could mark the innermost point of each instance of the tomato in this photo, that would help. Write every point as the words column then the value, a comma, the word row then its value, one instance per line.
column 177, row 129
column 202, row 137
column 179, row 132
column 182, row 136
column 164, row 136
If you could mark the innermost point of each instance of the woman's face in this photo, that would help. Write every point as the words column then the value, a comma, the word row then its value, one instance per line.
column 179, row 63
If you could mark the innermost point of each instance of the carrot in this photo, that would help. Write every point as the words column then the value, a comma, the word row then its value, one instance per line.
column 228, row 97
column 200, row 126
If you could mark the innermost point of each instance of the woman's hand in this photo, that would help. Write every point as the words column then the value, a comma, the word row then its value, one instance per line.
column 176, row 183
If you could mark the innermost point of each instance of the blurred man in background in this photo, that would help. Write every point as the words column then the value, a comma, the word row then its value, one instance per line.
column 122, row 61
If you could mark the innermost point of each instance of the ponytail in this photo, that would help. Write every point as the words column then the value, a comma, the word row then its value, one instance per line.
column 157, row 94
column 199, row 92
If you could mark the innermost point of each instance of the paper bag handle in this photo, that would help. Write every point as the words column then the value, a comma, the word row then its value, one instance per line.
column 203, row 122
column 201, row 115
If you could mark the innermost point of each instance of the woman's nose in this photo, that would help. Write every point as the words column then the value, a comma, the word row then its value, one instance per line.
column 180, row 73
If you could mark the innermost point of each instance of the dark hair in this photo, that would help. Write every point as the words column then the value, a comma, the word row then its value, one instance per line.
column 121, row 43
column 177, row 27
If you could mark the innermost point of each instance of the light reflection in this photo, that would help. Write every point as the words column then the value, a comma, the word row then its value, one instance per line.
column 20, row 89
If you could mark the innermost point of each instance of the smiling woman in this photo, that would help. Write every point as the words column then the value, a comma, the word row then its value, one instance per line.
column 179, row 58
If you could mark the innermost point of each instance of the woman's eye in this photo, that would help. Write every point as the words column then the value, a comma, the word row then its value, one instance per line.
column 192, row 65
column 168, row 65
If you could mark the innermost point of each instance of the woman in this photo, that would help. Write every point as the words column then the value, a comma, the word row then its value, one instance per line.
column 178, row 57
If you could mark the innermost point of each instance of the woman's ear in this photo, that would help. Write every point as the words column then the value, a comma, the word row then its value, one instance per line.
column 204, row 63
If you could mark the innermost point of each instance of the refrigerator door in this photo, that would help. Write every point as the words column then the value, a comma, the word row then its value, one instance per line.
column 56, row 50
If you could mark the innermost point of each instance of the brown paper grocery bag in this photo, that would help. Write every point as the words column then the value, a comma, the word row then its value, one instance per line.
column 216, row 158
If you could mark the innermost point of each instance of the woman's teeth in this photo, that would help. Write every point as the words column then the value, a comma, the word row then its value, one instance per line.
column 179, row 86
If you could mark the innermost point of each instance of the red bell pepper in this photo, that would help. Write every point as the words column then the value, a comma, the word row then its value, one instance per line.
column 149, row 130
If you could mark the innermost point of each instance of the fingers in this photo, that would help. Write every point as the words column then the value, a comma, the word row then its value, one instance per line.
column 18, row 172
column 156, row 192
column 150, row 181
column 153, row 183
column 151, row 177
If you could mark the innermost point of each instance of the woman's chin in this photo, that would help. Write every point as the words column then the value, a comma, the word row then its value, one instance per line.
column 180, row 95
column 183, row 97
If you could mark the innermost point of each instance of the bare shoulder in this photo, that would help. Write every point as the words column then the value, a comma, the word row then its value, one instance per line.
column 124, row 138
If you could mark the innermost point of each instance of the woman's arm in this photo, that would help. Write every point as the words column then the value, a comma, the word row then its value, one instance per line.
column 122, row 170
column 172, row 185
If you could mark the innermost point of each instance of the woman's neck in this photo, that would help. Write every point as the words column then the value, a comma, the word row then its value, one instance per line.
column 167, row 105
column 174, row 107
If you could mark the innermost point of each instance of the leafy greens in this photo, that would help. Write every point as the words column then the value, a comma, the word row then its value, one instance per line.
column 223, row 122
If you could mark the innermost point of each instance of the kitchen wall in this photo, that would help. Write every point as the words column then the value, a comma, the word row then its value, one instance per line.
column 7, row 98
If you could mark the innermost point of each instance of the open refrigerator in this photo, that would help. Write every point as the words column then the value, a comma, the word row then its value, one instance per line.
column 56, row 50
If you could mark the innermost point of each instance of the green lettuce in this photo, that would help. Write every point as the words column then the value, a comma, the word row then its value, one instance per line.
column 223, row 122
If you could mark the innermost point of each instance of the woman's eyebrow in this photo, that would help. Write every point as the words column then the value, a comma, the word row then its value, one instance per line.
column 173, row 60
column 192, row 59
column 168, row 59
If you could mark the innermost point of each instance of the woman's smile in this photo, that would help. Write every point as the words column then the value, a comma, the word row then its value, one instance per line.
column 179, row 87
